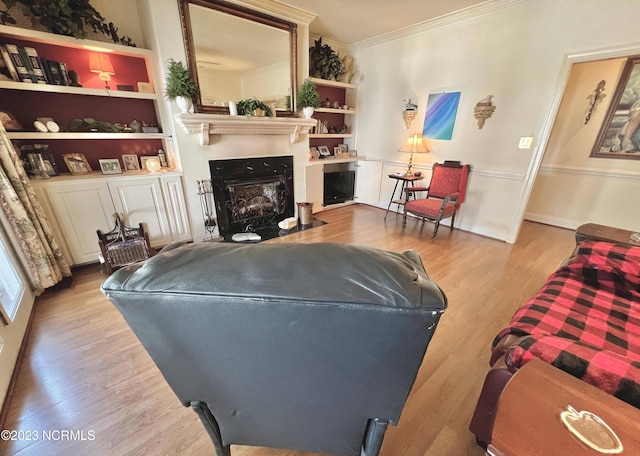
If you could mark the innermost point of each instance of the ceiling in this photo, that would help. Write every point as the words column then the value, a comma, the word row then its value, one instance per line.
column 352, row 21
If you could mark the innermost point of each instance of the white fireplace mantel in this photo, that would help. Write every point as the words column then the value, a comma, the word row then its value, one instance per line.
column 219, row 124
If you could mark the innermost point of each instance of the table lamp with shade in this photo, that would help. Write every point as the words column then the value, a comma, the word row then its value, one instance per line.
column 101, row 64
column 413, row 145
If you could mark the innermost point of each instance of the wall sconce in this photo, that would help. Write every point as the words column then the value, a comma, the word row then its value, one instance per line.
column 413, row 145
column 100, row 63
column 410, row 112
column 595, row 98
column 483, row 110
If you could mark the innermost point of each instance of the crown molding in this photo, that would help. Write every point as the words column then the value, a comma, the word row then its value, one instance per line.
column 470, row 12
column 278, row 9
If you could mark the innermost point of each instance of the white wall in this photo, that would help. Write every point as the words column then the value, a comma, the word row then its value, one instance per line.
column 515, row 54
column 161, row 28
column 573, row 188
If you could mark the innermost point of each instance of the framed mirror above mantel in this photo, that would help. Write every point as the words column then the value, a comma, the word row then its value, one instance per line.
column 234, row 53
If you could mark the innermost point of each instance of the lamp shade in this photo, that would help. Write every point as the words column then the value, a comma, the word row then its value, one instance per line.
column 414, row 145
column 100, row 63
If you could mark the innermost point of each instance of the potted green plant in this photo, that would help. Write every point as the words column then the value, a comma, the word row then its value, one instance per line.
column 253, row 107
column 64, row 17
column 179, row 85
column 308, row 98
column 324, row 62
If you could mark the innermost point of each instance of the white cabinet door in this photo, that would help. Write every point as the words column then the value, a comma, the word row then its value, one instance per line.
column 82, row 208
column 368, row 182
column 140, row 201
column 42, row 195
column 314, row 186
column 176, row 208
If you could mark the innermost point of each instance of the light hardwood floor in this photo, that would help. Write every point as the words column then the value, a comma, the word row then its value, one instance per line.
column 85, row 371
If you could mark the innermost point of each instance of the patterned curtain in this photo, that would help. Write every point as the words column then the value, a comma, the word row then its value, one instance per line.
column 28, row 221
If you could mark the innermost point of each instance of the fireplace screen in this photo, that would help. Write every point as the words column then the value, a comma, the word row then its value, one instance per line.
column 257, row 203
column 252, row 193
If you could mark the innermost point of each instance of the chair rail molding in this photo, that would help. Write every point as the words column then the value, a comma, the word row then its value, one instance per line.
column 567, row 169
column 220, row 124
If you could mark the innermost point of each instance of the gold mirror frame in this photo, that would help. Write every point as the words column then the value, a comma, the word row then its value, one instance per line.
column 245, row 13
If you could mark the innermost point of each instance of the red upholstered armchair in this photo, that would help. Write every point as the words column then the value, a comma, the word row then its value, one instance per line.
column 445, row 194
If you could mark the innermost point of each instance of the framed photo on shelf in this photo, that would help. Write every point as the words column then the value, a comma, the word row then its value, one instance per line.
column 315, row 154
column 9, row 121
column 144, row 160
column 110, row 166
column 337, row 152
column 41, row 155
column 77, row 163
column 131, row 162
column 324, row 151
column 49, row 163
column 145, row 87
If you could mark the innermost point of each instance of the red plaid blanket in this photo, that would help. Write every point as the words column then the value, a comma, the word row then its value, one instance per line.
column 585, row 320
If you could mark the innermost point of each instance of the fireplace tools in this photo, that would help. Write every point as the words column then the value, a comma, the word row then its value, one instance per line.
column 205, row 191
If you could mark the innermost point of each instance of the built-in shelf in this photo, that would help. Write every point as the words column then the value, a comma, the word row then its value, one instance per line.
column 219, row 124
column 330, row 83
column 332, row 135
column 328, row 160
column 76, row 90
column 335, row 110
column 86, row 135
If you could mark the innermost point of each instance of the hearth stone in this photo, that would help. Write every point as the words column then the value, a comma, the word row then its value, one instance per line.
column 274, row 231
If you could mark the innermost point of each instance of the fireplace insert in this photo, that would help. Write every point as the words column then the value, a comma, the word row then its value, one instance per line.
column 252, row 193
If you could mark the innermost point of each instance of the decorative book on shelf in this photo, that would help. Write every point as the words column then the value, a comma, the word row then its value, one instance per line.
column 21, row 69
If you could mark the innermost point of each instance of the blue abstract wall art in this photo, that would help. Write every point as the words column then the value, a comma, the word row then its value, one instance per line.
column 441, row 115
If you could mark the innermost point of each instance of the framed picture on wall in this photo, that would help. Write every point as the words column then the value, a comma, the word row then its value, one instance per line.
column 619, row 135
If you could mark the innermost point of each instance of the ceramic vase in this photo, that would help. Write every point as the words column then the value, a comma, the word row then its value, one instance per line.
column 307, row 112
column 185, row 104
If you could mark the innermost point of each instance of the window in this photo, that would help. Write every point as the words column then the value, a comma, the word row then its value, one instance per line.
column 12, row 286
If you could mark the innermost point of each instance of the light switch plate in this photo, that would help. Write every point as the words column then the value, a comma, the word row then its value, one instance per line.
column 525, row 142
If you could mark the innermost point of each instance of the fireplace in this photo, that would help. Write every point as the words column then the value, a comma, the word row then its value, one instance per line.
column 252, row 194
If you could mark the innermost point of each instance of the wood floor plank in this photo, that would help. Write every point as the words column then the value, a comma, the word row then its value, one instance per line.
column 84, row 370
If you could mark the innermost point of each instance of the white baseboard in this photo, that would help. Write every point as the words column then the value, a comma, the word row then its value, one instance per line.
column 553, row 221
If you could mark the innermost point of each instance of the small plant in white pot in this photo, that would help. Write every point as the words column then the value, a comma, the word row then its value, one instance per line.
column 308, row 98
column 253, row 107
column 179, row 85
